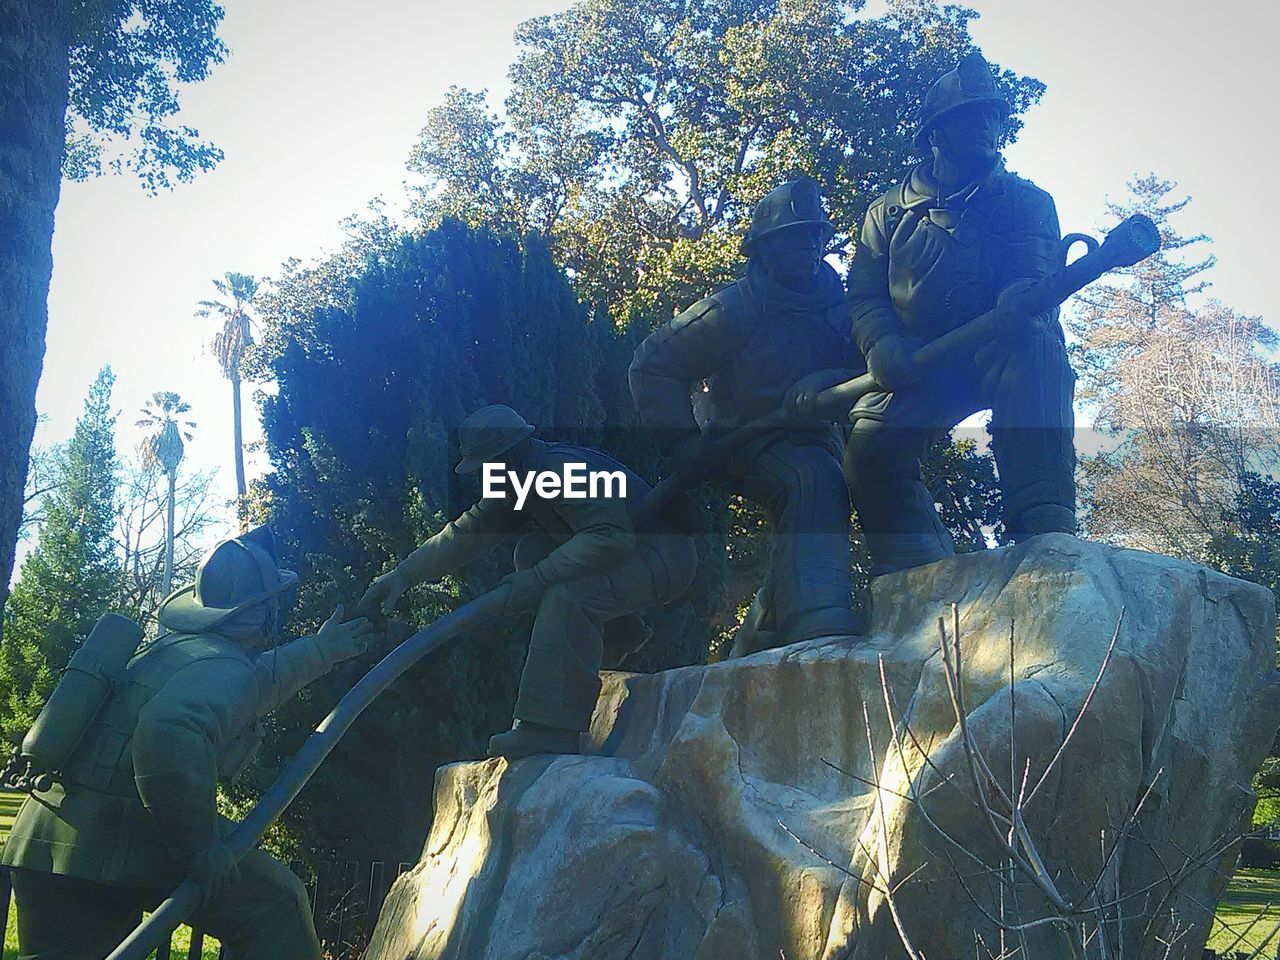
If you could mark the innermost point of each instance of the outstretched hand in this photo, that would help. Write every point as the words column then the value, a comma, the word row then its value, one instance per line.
column 339, row 640
column 801, row 401
column 383, row 594
column 891, row 361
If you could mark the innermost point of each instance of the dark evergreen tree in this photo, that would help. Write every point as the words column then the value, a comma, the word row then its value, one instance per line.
column 361, row 432
column 72, row 576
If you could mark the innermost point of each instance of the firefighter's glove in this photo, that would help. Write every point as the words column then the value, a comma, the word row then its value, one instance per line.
column 1016, row 316
column 384, row 593
column 891, row 361
column 527, row 587
column 916, row 251
column 340, row 640
column 801, row 401
column 215, row 871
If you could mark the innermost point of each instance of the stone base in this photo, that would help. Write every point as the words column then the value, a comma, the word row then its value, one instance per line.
column 730, row 811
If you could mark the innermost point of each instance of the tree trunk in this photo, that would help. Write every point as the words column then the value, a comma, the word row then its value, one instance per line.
column 168, row 534
column 239, row 442
column 34, row 41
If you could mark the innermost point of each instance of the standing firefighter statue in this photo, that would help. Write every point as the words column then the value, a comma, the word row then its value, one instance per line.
column 957, row 237
column 585, row 566
column 137, row 743
column 776, row 336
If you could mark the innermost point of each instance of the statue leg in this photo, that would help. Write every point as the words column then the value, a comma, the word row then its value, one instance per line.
column 799, row 483
column 264, row 916
column 561, row 678
column 891, row 433
column 100, row 916
column 1030, row 387
column 623, row 635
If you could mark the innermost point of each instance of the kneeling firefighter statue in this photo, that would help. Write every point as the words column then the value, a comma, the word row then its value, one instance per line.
column 586, row 566
column 132, row 746
column 771, row 340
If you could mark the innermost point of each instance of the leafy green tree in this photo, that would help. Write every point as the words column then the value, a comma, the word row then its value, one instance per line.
column 1248, row 545
column 638, row 137
column 167, row 429
column 84, row 86
column 72, row 576
column 229, row 344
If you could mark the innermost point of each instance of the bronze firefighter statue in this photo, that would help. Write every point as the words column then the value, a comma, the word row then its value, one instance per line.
column 753, row 342
column 586, row 567
column 132, row 809
column 958, row 236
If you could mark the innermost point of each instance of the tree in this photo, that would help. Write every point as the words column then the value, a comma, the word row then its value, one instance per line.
column 163, row 448
column 1247, row 544
column 229, row 345
column 72, row 576
column 637, row 137
column 141, row 532
column 44, row 475
column 369, row 386
column 1112, row 320
column 1185, row 390
column 84, row 86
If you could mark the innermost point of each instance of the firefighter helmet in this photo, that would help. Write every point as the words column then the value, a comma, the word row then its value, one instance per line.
column 969, row 83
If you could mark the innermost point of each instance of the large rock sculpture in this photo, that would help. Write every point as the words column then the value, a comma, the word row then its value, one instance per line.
column 769, row 807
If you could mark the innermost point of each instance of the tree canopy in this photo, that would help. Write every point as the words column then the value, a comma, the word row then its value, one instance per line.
column 361, row 432
column 1182, row 388
column 638, row 137
column 128, row 60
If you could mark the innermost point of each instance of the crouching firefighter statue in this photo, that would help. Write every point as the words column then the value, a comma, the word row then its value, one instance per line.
column 957, row 237
column 129, row 810
column 585, row 567
column 773, row 337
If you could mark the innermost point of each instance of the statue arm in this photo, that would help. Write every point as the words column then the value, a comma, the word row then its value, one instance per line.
column 178, row 742
column 671, row 359
column 871, row 310
column 472, row 535
column 286, row 669
column 1032, row 248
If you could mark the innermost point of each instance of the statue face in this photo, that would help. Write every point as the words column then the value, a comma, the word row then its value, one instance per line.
column 969, row 135
column 793, row 254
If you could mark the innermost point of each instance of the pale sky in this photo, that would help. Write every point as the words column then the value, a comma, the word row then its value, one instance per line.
column 320, row 101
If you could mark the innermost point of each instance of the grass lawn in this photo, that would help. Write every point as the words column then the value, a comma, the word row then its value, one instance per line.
column 9, row 804
column 1247, row 897
column 1250, row 893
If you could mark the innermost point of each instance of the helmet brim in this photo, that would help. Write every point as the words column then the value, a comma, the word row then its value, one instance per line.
column 922, row 135
column 473, row 463
column 750, row 240
column 183, row 613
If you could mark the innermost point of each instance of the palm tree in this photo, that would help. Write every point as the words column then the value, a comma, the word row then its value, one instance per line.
column 163, row 448
column 237, row 291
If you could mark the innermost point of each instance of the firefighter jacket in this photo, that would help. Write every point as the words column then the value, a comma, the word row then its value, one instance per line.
column 138, row 798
